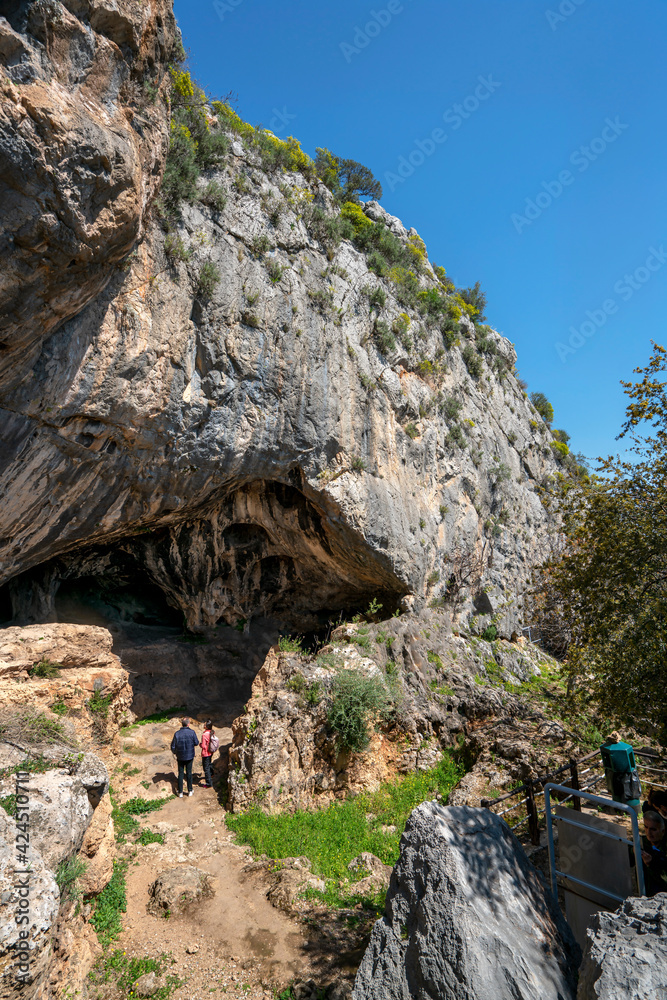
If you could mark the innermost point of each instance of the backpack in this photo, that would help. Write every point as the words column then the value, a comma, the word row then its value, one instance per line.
column 213, row 743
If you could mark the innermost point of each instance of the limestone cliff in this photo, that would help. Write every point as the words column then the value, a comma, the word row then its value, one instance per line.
column 242, row 419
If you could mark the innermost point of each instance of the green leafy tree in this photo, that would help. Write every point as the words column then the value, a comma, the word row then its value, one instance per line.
column 347, row 180
column 543, row 407
column 610, row 584
column 476, row 298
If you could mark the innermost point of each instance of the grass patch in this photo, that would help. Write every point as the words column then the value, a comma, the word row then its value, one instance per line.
column 124, row 970
column 332, row 837
column 111, row 904
column 124, row 815
column 289, row 644
column 8, row 803
column 68, row 873
column 166, row 715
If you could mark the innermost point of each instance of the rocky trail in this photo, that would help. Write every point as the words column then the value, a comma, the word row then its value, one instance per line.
column 234, row 943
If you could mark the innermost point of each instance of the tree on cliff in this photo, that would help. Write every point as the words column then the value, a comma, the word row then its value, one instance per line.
column 611, row 580
column 347, row 180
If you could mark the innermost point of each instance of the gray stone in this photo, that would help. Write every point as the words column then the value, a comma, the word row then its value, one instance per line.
column 177, row 888
column 60, row 812
column 44, row 901
column 467, row 918
column 147, row 985
column 625, row 957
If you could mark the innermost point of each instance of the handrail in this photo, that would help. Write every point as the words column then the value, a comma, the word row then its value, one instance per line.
column 596, row 800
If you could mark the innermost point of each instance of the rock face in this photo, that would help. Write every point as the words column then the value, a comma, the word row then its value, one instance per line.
column 626, row 953
column 85, row 133
column 284, row 754
column 467, row 918
column 60, row 813
column 42, row 909
column 84, row 664
column 257, row 451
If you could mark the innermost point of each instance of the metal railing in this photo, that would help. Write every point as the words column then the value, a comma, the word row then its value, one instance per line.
column 581, row 779
column 598, row 801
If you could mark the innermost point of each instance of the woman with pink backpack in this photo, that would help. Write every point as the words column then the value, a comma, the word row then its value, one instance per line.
column 209, row 744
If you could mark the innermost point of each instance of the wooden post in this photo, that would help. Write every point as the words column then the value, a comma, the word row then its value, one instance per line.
column 533, row 818
column 574, row 783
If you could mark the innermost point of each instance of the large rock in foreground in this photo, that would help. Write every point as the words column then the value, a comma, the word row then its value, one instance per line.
column 626, row 953
column 467, row 918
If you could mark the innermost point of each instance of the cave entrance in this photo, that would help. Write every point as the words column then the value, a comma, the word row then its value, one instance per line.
column 93, row 600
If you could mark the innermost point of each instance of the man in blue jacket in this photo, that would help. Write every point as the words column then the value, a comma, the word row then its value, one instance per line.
column 183, row 746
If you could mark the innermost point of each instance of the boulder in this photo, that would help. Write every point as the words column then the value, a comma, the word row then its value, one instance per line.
column 65, row 646
column 372, row 875
column 60, row 813
column 290, row 880
column 42, row 912
column 175, row 889
column 626, row 953
column 467, row 918
column 148, row 985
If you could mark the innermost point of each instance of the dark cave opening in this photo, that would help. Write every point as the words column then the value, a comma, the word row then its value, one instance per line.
column 97, row 600
column 6, row 611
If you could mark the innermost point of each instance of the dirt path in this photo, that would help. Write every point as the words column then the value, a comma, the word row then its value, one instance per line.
column 233, row 944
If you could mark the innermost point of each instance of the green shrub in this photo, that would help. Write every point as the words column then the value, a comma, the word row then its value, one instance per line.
column 99, row 703
column 490, row 633
column 450, row 408
column 67, row 874
column 543, row 406
column 322, row 299
column 274, row 270
column 290, row 644
column 346, row 179
column 45, row 669
column 560, row 450
column 59, row 707
column 214, row 195
column 475, row 298
column 433, row 577
column 260, row 245
column 8, row 803
column 384, row 337
column 472, row 360
column 110, row 904
column 356, row 697
column 209, row 276
column 455, row 437
column 377, row 297
column 31, row 728
column 175, row 248
column 148, row 837
column 357, row 463
column 411, row 430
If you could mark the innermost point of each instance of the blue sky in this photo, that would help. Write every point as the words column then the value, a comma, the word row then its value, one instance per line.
column 546, row 184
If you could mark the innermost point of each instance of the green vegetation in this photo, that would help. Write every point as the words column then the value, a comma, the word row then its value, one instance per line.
column 209, row 277
column 411, row 430
column 28, row 728
column 214, row 195
column 290, row 644
column 490, row 633
column 346, row 179
column 111, row 903
column 99, row 703
column 59, row 707
column 356, row 699
column 166, row 715
column 543, row 407
column 122, row 970
column 123, row 815
column 473, row 361
column 8, row 803
column 608, row 592
column 148, row 837
column 45, row 669
column 332, row 837
column 68, row 872
column 384, row 337
column 176, row 249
